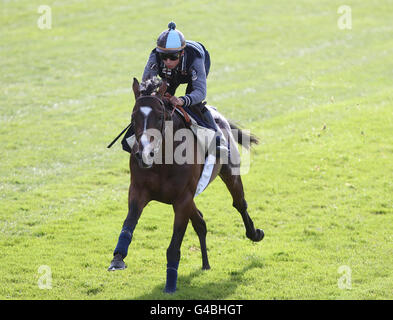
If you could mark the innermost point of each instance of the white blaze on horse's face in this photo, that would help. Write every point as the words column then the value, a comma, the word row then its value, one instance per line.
column 144, row 139
column 147, row 147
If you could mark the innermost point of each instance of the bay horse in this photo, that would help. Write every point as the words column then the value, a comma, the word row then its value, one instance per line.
column 171, row 183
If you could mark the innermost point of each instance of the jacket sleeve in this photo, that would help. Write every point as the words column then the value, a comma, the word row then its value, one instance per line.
column 198, row 93
column 151, row 68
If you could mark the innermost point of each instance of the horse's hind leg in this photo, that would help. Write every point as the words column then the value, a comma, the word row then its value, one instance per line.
column 235, row 187
column 200, row 228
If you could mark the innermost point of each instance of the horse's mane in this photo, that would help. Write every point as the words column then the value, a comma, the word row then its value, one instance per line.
column 150, row 86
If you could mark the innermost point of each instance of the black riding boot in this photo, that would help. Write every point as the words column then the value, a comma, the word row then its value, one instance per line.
column 208, row 118
column 221, row 148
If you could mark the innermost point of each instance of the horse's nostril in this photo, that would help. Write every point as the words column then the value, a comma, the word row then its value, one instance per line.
column 152, row 154
column 138, row 155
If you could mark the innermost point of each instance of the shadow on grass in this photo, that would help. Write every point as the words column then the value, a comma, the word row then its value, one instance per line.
column 218, row 290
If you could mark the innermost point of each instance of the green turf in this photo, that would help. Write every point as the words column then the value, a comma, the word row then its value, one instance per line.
column 320, row 182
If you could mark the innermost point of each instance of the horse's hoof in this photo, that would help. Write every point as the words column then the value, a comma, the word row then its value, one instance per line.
column 117, row 263
column 256, row 236
column 259, row 234
column 207, row 267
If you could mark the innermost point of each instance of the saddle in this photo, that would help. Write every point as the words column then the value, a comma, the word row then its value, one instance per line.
column 195, row 112
column 194, row 119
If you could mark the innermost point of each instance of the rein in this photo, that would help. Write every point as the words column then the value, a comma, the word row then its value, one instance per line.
column 129, row 125
column 121, row 133
column 180, row 108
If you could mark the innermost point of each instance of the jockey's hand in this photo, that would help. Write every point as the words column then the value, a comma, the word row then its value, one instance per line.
column 176, row 101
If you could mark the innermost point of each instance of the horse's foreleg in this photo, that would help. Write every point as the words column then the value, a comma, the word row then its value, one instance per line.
column 235, row 187
column 182, row 215
column 136, row 203
column 200, row 228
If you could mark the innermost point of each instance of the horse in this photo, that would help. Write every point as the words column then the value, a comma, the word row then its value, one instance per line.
column 171, row 183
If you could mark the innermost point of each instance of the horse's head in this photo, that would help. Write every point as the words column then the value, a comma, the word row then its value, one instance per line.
column 148, row 119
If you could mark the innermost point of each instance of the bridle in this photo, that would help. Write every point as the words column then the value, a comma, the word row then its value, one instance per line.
column 162, row 125
column 162, row 104
column 162, row 130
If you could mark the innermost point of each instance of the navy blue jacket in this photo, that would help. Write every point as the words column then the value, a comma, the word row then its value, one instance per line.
column 192, row 69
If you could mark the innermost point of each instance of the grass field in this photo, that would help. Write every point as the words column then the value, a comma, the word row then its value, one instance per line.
column 320, row 182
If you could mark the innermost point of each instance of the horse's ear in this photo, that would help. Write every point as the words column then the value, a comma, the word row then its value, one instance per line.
column 162, row 89
column 135, row 88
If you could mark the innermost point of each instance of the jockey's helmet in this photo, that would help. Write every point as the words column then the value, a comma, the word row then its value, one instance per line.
column 171, row 40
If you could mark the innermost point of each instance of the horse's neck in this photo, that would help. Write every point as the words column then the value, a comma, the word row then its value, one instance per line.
column 177, row 123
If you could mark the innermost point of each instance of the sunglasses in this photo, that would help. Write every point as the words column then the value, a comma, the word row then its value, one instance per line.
column 170, row 56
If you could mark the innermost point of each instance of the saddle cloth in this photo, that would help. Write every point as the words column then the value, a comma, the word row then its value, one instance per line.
column 201, row 133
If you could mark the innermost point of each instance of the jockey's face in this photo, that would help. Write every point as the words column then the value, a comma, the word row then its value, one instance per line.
column 169, row 61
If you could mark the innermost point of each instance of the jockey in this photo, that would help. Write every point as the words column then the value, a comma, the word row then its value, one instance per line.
column 178, row 61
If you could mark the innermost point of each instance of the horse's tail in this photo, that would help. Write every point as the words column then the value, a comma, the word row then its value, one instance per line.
column 244, row 139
